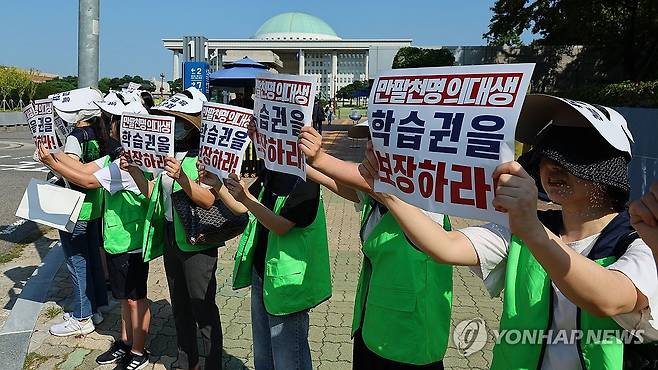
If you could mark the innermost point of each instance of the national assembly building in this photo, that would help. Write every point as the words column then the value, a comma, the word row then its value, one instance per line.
column 295, row 43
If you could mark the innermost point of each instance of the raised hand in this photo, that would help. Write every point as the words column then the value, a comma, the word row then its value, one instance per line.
column 310, row 142
column 237, row 187
column 172, row 167
column 206, row 177
column 516, row 195
column 644, row 217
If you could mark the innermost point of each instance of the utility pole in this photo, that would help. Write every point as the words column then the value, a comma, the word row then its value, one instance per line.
column 88, row 29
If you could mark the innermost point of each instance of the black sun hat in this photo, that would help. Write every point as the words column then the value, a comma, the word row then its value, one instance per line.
column 583, row 152
column 592, row 142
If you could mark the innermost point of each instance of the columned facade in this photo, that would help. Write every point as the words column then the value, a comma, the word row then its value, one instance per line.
column 298, row 43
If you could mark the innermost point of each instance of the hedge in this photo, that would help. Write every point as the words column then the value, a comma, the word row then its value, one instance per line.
column 622, row 94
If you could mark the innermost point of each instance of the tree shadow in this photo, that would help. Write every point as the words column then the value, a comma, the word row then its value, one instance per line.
column 21, row 274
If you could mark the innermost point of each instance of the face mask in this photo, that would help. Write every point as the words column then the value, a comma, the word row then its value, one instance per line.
column 181, row 131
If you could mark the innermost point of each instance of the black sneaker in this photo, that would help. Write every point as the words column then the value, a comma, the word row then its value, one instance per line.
column 134, row 362
column 116, row 352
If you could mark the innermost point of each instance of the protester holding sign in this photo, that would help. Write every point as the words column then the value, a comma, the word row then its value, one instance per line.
column 190, row 268
column 124, row 213
column 86, row 143
column 582, row 269
column 401, row 318
column 283, row 255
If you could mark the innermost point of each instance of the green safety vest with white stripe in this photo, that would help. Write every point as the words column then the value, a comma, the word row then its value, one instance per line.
column 528, row 303
column 404, row 298
column 297, row 274
column 123, row 219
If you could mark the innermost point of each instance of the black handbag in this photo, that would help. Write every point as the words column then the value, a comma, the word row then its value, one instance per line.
column 208, row 226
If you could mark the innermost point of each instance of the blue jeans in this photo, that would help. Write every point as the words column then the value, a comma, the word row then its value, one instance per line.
column 280, row 342
column 83, row 259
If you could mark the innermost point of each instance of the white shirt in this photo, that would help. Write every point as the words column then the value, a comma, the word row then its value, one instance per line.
column 72, row 146
column 113, row 178
column 491, row 243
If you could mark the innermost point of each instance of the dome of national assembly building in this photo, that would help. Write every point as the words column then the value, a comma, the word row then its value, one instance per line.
column 295, row 26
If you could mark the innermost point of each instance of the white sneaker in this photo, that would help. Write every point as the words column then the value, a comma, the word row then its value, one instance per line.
column 96, row 318
column 71, row 326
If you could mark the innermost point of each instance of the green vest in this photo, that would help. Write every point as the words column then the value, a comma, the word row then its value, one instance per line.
column 528, row 304
column 154, row 227
column 123, row 220
column 404, row 298
column 92, row 207
column 297, row 275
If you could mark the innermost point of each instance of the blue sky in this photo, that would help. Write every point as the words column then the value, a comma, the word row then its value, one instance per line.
column 43, row 34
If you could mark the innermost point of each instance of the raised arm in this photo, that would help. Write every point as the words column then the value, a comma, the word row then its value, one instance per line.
column 219, row 190
column 449, row 247
column 198, row 194
column 644, row 218
column 145, row 186
column 75, row 172
column 600, row 291
column 341, row 172
column 273, row 222
column 329, row 183
column 69, row 161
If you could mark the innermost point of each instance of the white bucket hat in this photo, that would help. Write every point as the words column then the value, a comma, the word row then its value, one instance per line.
column 540, row 110
column 183, row 103
column 113, row 105
column 77, row 105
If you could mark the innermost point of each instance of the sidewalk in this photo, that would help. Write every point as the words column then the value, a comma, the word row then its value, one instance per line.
column 331, row 345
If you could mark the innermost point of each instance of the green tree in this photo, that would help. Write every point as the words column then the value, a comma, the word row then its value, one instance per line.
column 176, row 85
column 619, row 37
column 413, row 57
column 55, row 86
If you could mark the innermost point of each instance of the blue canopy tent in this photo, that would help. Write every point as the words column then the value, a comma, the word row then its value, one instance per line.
column 241, row 73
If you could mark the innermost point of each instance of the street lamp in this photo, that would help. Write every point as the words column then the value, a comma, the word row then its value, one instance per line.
column 162, row 76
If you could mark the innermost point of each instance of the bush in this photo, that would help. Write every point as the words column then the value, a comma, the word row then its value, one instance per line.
column 622, row 94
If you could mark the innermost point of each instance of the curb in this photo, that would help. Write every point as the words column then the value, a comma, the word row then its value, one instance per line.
column 17, row 331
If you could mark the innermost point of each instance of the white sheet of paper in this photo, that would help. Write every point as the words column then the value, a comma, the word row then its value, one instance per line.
column 50, row 205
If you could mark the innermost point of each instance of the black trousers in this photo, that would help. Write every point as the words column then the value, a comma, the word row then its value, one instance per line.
column 365, row 359
column 192, row 288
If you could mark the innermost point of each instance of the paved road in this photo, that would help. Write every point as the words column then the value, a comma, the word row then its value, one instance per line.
column 16, row 169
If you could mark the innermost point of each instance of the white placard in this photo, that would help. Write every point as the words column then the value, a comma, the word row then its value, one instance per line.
column 148, row 140
column 438, row 134
column 41, row 121
column 224, row 138
column 283, row 104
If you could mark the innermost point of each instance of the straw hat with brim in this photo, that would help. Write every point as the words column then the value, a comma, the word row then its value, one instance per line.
column 359, row 131
column 193, row 119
